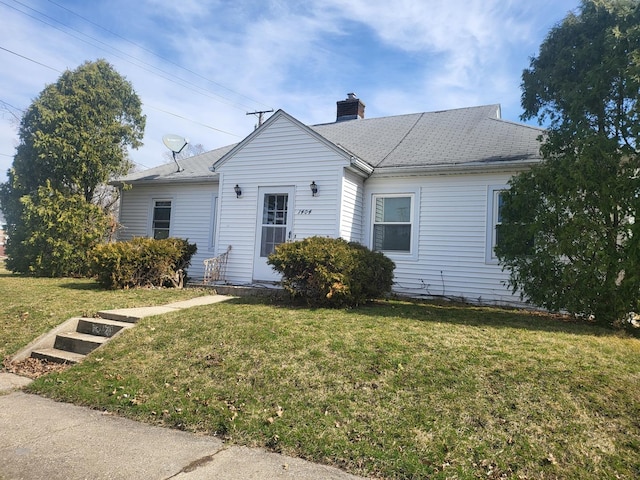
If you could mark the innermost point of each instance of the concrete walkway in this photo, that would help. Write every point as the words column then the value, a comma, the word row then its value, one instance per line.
column 44, row 439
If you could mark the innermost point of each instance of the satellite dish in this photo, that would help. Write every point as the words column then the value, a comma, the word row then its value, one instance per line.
column 175, row 143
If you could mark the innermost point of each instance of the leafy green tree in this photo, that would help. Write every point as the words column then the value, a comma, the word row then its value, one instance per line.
column 56, row 232
column 73, row 137
column 569, row 235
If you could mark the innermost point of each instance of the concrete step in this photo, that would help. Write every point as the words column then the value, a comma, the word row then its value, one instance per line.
column 77, row 342
column 101, row 326
column 122, row 315
column 58, row 356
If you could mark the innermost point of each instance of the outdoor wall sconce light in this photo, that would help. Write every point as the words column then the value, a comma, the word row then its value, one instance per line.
column 314, row 188
column 238, row 191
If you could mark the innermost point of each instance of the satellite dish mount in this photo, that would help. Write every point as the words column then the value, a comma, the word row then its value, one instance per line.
column 176, row 144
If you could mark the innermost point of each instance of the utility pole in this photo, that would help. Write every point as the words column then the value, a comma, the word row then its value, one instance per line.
column 260, row 114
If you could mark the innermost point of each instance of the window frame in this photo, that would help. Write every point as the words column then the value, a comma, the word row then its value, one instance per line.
column 493, row 193
column 152, row 221
column 412, row 222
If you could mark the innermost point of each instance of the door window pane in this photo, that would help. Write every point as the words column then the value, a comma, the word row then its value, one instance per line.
column 274, row 222
column 275, row 210
column 271, row 238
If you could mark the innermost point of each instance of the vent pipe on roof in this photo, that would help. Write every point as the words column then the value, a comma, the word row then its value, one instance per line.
column 349, row 109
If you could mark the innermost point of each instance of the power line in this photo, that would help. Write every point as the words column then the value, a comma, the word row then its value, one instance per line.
column 193, row 121
column 150, row 106
column 30, row 59
column 9, row 105
column 138, row 62
column 142, row 47
column 172, row 78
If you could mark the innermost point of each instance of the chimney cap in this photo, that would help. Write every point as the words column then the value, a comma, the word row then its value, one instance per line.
column 351, row 96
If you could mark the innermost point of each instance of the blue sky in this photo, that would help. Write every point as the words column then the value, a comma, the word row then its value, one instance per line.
column 200, row 65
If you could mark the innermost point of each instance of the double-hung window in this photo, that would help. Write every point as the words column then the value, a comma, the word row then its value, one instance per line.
column 392, row 223
column 495, row 201
column 161, row 219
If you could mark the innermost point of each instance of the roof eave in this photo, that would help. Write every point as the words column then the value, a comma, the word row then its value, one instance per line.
column 456, row 168
column 165, row 180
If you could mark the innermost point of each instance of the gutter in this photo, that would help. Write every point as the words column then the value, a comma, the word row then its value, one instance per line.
column 361, row 166
column 356, row 163
column 468, row 167
column 163, row 181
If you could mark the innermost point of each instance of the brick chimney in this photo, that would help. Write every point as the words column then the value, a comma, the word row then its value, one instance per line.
column 349, row 109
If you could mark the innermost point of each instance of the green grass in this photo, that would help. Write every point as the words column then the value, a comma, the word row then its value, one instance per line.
column 391, row 390
column 31, row 306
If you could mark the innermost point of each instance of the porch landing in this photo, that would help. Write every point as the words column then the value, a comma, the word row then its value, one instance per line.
column 262, row 289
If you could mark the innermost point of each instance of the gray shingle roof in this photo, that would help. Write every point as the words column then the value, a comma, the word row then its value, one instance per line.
column 195, row 168
column 450, row 137
column 474, row 135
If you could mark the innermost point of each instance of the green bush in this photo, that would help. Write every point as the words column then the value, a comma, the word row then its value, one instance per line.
column 332, row 272
column 142, row 262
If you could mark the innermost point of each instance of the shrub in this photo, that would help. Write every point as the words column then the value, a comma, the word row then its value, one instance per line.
column 55, row 234
column 142, row 262
column 332, row 272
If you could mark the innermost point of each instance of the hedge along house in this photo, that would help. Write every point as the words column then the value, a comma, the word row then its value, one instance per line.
column 423, row 188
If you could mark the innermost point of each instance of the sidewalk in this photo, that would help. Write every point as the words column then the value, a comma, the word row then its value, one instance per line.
column 44, row 439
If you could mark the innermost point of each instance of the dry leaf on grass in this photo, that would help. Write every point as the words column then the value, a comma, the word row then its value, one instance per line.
column 33, row 367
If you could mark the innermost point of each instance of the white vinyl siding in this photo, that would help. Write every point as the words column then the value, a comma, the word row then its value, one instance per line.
column 192, row 216
column 451, row 240
column 351, row 218
column 283, row 155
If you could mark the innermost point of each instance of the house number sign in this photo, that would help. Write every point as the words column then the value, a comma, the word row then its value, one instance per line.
column 304, row 212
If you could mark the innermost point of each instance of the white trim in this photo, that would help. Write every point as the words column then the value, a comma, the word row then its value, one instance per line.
column 262, row 271
column 412, row 254
column 212, row 223
column 490, row 243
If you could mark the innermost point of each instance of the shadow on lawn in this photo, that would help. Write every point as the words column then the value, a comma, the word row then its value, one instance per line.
column 460, row 314
column 81, row 286
column 69, row 283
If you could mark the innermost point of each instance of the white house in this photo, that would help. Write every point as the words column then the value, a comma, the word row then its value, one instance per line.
column 423, row 188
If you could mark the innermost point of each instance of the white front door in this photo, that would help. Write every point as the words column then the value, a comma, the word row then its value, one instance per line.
column 275, row 221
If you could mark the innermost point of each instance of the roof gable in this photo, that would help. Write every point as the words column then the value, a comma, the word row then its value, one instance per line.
column 277, row 116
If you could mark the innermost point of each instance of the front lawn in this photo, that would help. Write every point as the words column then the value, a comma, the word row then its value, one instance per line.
column 392, row 390
column 32, row 306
